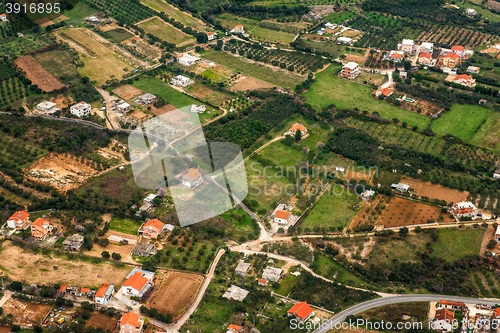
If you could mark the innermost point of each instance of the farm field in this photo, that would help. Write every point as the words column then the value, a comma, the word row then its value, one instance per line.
column 319, row 47
column 265, row 73
column 165, row 31
column 435, row 191
column 339, row 17
column 329, row 268
column 385, row 251
column 26, row 313
column 101, row 63
column 251, row 83
column 79, row 12
column 449, row 35
column 38, row 75
column 183, row 17
column 174, row 292
column 101, row 320
column 257, row 30
column 462, row 121
column 487, row 136
column 172, row 96
column 125, row 226
column 127, row 91
column 344, row 94
column 37, row 268
column 118, row 35
column 205, row 93
column 401, row 212
column 335, row 209
column 454, row 244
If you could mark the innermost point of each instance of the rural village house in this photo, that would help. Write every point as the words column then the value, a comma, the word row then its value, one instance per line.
column 464, row 208
column 232, row 328
column 407, row 46
column 19, row 220
column 350, row 70
column 238, row 29
column 181, row 81
column 73, row 242
column 211, row 35
column 138, row 282
column 297, row 127
column 152, row 229
column 187, row 59
column 425, row 58
column 458, row 50
column 235, row 293
column 465, row 80
column 272, row 274
column 144, row 250
column 47, row 107
column 443, row 320
column 426, row 47
column 301, row 311
column 146, row 99
column 242, row 268
column 192, row 178
column 131, row 322
column 451, row 60
column 104, row 293
column 80, row 109
column 282, row 216
column 40, row 229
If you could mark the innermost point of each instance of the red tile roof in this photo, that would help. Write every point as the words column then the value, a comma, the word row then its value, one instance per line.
column 210, row 33
column 386, row 92
column 192, row 174
column 84, row 290
column 297, row 127
column 19, row 215
column 497, row 312
column 452, row 303
column 457, row 48
column 282, row 214
column 301, row 310
column 62, row 288
column 463, row 77
column 102, row 290
column 396, row 55
column 136, row 281
column 238, row 26
column 262, row 281
column 39, row 222
column 452, row 55
column 154, row 224
column 131, row 318
column 234, row 327
column 444, row 314
column 425, row 55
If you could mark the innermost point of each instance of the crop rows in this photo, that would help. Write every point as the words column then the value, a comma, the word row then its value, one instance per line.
column 449, row 36
column 293, row 61
column 11, row 91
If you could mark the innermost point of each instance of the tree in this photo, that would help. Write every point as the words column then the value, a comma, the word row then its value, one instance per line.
column 16, row 286
column 288, row 141
column 298, row 135
column 116, row 256
column 103, row 242
column 403, row 232
column 105, row 254
column 491, row 244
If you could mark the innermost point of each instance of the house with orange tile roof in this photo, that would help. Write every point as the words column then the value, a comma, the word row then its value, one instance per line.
column 238, row 29
column 211, row 35
column 386, row 92
column 465, row 80
column 3, row 17
column 297, row 127
column 396, row 56
column 425, row 58
column 138, row 283
column 302, row 311
column 41, row 228
column 443, row 320
column 131, row 322
column 351, row 70
column 152, row 229
column 262, row 282
column 104, row 293
column 458, row 50
column 192, row 178
column 232, row 328
column 84, row 291
column 451, row 60
column 62, row 289
column 282, row 216
column 19, row 220
column 453, row 305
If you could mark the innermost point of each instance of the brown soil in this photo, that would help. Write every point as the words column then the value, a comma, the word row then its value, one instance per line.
column 127, row 91
column 100, row 320
column 5, row 329
column 24, row 265
column 26, row 313
column 38, row 75
column 402, row 212
column 163, row 109
column 63, row 172
column 350, row 174
column 251, row 83
column 123, row 250
column 435, row 191
column 174, row 292
column 316, row 38
column 62, row 101
column 489, row 234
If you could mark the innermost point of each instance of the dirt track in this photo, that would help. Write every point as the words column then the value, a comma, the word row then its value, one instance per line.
column 38, row 75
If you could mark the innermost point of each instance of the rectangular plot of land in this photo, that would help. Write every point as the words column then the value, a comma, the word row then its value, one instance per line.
column 165, row 31
column 38, row 75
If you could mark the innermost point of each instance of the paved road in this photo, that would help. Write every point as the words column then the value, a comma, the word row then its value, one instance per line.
column 361, row 307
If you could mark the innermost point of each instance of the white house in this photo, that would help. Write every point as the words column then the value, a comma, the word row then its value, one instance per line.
column 497, row 234
column 192, row 178
column 238, row 29
column 47, row 107
column 350, row 70
column 470, row 12
column 80, row 109
column 282, row 216
column 465, row 80
column 181, row 81
column 19, row 220
column 138, row 283
column 187, row 59
column 123, row 106
column 211, row 35
column 473, row 69
column 443, row 320
column 198, row 108
column 344, row 40
column 401, row 187
column 272, row 274
column 146, row 99
column 427, row 47
column 104, row 293
column 368, row 194
column 407, row 46
column 3, row 17
column 328, row 25
column 131, row 322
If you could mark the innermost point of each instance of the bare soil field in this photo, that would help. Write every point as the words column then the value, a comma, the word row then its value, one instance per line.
column 127, row 91
column 355, row 57
column 435, row 191
column 24, row 265
column 146, row 49
column 401, row 212
column 351, row 174
column 163, row 109
column 5, row 329
column 26, row 314
column 251, row 83
column 62, row 171
column 100, row 320
column 38, row 75
column 138, row 115
column 62, row 101
column 174, row 292
column 207, row 94
column 315, row 37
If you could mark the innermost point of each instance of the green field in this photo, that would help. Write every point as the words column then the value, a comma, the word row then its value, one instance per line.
column 119, row 35
column 79, row 12
column 334, row 209
column 488, row 135
column 166, row 32
column 329, row 268
column 387, row 251
column 331, row 48
column 454, row 244
column 183, row 17
column 172, row 96
column 462, row 121
column 344, row 94
column 278, row 78
column 124, row 225
column 257, row 31
column 214, row 76
column 340, row 17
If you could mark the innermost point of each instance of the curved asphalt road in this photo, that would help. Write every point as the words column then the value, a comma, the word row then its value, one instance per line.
column 361, row 307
